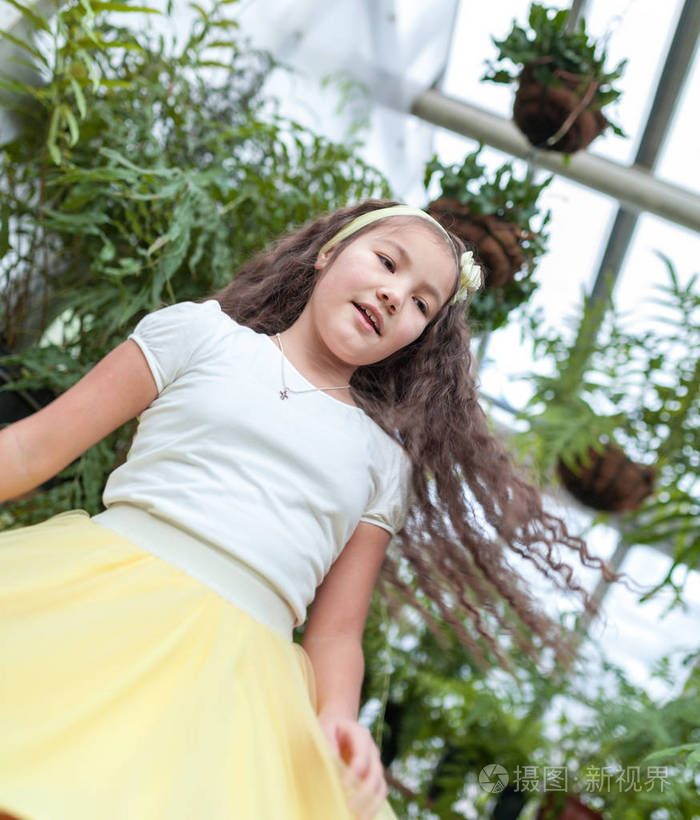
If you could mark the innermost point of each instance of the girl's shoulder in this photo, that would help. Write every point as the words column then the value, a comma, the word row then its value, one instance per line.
column 186, row 323
column 181, row 316
column 205, row 311
column 175, row 336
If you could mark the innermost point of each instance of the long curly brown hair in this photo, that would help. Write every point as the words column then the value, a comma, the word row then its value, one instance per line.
column 472, row 503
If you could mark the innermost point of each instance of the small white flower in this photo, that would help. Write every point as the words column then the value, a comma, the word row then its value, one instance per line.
column 469, row 277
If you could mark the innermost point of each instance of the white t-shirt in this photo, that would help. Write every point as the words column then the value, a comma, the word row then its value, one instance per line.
column 280, row 485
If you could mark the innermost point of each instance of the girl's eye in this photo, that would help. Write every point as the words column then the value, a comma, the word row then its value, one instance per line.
column 422, row 306
column 388, row 264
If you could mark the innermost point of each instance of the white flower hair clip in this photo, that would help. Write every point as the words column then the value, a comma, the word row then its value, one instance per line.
column 469, row 277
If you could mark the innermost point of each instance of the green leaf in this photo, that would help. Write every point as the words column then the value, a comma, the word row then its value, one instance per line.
column 53, row 135
column 102, row 5
column 79, row 97
column 212, row 63
column 21, row 88
column 672, row 753
column 157, row 245
column 4, row 228
column 202, row 13
column 25, row 45
column 36, row 18
column 225, row 23
column 126, row 84
column 72, row 123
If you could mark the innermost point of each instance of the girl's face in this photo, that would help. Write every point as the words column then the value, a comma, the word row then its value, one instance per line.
column 400, row 272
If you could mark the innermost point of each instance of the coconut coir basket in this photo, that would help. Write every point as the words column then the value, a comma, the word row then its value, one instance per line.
column 497, row 241
column 610, row 482
column 559, row 117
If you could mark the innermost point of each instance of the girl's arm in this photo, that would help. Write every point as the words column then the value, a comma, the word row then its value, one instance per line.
column 333, row 640
column 35, row 448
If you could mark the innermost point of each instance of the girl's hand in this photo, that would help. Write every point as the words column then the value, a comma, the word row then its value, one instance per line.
column 364, row 776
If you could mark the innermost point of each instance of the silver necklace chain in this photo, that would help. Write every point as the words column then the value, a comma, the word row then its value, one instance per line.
column 284, row 393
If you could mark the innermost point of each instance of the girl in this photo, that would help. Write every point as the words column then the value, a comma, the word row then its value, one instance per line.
column 288, row 428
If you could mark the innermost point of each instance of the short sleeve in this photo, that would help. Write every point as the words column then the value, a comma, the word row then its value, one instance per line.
column 391, row 501
column 170, row 336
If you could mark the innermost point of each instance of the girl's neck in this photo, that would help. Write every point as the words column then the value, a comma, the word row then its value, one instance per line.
column 310, row 357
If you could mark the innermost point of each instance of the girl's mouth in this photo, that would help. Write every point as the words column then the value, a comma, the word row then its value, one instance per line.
column 366, row 318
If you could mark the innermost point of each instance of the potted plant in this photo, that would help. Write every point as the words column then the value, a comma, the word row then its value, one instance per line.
column 497, row 213
column 618, row 419
column 562, row 82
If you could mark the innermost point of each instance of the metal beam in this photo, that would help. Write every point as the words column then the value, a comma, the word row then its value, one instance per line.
column 673, row 76
column 635, row 187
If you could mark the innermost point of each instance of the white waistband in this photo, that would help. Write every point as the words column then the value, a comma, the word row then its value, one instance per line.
column 222, row 572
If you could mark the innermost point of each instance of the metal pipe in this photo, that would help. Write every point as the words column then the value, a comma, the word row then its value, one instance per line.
column 577, row 10
column 679, row 59
column 635, row 187
column 601, row 588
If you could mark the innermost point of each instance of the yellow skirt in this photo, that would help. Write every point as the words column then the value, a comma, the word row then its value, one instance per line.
column 131, row 691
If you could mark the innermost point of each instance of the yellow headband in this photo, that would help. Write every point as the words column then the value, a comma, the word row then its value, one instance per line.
column 470, row 273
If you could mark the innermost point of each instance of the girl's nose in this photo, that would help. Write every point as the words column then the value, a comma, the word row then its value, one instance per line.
column 390, row 298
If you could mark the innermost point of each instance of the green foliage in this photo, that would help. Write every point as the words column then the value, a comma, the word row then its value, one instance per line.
column 625, row 728
column 500, row 193
column 511, row 199
column 441, row 720
column 637, row 388
column 145, row 173
column 548, row 44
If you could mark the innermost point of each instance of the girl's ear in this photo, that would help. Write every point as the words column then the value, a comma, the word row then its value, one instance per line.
column 321, row 260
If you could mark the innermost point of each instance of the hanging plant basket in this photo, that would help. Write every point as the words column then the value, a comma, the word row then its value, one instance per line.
column 608, row 481
column 562, row 84
column 560, row 117
column 495, row 213
column 498, row 242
